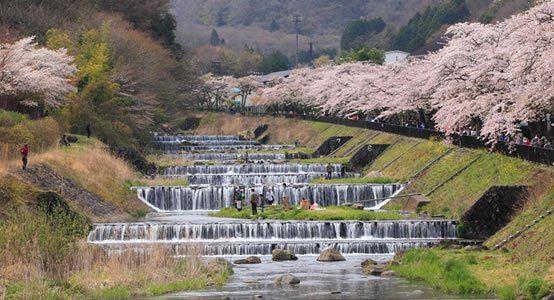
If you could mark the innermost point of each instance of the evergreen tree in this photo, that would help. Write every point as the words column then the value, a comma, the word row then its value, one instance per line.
column 273, row 26
column 359, row 28
column 274, row 62
column 214, row 38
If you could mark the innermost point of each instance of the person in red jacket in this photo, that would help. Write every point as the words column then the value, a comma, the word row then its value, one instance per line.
column 24, row 152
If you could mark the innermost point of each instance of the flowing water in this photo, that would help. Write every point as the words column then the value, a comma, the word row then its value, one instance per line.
column 181, row 222
column 227, row 157
column 318, row 281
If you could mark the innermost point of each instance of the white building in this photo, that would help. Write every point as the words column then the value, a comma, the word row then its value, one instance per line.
column 396, row 56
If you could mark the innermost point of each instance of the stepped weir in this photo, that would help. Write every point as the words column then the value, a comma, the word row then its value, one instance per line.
column 180, row 222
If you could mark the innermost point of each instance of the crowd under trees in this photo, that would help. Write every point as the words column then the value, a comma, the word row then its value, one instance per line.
column 497, row 75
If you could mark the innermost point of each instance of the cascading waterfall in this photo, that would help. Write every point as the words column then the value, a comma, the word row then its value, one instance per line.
column 226, row 157
column 183, row 198
column 271, row 230
column 213, row 188
column 248, row 169
column 221, row 148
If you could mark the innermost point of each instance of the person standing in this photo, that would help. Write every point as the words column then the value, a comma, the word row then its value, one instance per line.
column 286, row 195
column 343, row 171
column 24, row 152
column 254, row 198
column 88, row 130
column 246, row 157
column 329, row 171
column 261, row 203
column 270, row 197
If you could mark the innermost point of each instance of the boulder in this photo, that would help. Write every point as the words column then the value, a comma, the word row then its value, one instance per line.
column 249, row 260
column 398, row 255
column 388, row 273
column 287, row 279
column 336, row 292
column 549, row 297
column 368, row 262
column 374, row 269
column 199, row 163
column 473, row 248
column 330, row 254
column 258, row 296
column 72, row 139
column 251, row 281
column 253, row 260
column 358, row 206
column 280, row 254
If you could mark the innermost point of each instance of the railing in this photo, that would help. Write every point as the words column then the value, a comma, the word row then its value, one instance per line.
column 534, row 154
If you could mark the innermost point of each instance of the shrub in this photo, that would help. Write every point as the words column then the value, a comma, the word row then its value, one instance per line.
column 532, row 287
column 10, row 118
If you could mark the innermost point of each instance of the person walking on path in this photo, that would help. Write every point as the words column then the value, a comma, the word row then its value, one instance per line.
column 286, row 194
column 254, row 198
column 343, row 171
column 329, row 171
column 88, row 130
column 24, row 152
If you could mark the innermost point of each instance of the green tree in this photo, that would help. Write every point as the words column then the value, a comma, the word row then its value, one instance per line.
column 214, row 38
column 363, row 54
column 274, row 62
column 357, row 29
column 273, row 26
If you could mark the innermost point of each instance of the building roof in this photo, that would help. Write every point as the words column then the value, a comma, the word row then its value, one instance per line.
column 267, row 77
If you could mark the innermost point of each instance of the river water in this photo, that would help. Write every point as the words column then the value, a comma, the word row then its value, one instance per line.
column 318, row 280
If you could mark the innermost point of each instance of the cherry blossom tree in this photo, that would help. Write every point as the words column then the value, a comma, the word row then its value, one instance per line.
column 28, row 72
column 498, row 75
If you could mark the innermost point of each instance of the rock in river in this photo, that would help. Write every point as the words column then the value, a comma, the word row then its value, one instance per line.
column 280, row 254
column 286, row 279
column 330, row 255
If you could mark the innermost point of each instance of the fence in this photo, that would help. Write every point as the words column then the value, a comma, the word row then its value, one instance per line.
column 534, row 154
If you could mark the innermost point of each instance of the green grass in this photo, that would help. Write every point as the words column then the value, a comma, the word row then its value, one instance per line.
column 465, row 272
column 363, row 180
column 440, row 171
column 321, row 160
column 457, row 195
column 410, row 163
column 291, row 150
column 330, row 213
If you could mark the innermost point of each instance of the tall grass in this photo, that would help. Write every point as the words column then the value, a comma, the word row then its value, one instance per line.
column 43, row 255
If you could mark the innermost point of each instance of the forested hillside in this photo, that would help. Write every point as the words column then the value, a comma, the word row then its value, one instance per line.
column 130, row 72
column 267, row 25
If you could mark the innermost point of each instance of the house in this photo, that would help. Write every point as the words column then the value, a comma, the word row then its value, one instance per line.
column 396, row 56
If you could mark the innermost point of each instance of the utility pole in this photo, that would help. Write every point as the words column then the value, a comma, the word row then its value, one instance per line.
column 311, row 54
column 297, row 19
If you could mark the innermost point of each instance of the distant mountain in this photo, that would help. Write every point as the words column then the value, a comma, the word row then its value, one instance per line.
column 249, row 22
column 267, row 24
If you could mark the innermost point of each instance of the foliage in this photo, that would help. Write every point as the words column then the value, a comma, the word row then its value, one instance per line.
column 28, row 72
column 274, row 26
column 363, row 54
column 274, row 62
column 214, row 38
column 363, row 180
column 357, row 29
column 329, row 213
column 413, row 35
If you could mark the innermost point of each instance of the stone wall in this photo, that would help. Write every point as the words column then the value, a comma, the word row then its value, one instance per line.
column 331, row 144
column 492, row 211
column 365, row 156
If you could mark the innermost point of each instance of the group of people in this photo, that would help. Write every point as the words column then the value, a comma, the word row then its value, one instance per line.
column 268, row 197
column 540, row 142
column 256, row 200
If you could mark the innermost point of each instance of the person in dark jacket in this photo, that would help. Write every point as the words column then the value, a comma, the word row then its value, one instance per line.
column 254, row 198
column 88, row 130
column 329, row 171
column 24, row 152
column 343, row 171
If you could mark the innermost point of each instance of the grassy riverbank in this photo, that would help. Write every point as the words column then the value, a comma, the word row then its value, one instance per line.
column 277, row 212
column 44, row 254
column 468, row 272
